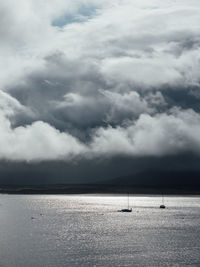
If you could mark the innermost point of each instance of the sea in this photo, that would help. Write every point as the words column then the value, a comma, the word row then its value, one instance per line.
column 88, row 230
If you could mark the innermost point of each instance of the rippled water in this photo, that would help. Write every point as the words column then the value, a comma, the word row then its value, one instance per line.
column 88, row 231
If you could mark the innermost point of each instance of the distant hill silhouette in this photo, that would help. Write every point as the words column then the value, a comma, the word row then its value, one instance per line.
column 147, row 182
column 159, row 179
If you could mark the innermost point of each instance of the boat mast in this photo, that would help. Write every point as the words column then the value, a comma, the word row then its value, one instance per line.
column 128, row 200
column 162, row 199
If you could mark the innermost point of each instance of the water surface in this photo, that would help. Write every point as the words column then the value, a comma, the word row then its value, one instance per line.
column 74, row 230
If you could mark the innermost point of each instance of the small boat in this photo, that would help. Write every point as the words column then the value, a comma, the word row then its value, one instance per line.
column 162, row 206
column 128, row 209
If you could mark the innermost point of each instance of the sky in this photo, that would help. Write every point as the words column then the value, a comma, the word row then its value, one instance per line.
column 97, row 89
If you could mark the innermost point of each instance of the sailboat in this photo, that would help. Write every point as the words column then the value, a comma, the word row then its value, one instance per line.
column 128, row 208
column 162, row 206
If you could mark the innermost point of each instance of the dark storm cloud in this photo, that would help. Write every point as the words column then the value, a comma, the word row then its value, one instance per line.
column 110, row 85
column 146, row 171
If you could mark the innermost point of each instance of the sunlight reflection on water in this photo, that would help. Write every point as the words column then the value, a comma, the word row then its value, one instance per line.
column 87, row 230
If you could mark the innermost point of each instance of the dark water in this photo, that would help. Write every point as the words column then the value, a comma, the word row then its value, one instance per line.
column 88, row 231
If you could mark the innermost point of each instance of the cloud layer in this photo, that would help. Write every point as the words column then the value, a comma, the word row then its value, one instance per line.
column 98, row 79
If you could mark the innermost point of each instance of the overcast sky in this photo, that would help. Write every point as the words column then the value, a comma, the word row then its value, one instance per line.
column 97, row 79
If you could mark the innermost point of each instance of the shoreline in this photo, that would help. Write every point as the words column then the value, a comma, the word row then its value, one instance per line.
column 97, row 189
column 105, row 195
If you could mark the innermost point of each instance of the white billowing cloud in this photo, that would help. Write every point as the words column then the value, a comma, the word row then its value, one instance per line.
column 35, row 142
column 140, row 43
column 124, row 104
column 136, row 41
column 9, row 105
column 27, row 34
column 72, row 99
column 148, row 136
column 144, row 72
column 26, row 21
column 151, row 136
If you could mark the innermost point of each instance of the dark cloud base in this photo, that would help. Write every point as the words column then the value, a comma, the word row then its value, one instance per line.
column 145, row 171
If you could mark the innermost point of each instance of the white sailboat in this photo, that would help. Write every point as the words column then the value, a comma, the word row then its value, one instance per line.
column 128, row 207
column 162, row 206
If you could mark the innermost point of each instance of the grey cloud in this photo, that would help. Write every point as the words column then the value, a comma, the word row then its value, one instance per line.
column 123, row 82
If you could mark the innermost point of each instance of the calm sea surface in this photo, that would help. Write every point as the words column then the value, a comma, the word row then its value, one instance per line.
column 74, row 230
